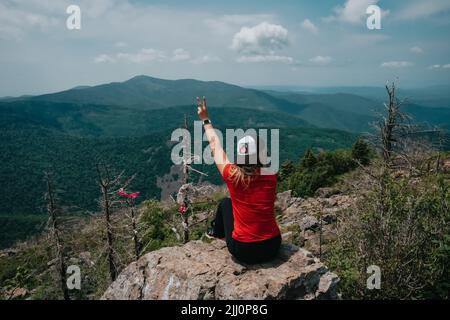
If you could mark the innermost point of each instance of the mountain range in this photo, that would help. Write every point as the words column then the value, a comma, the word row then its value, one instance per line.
column 351, row 109
column 128, row 125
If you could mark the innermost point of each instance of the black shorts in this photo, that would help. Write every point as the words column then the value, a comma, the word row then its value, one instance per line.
column 246, row 252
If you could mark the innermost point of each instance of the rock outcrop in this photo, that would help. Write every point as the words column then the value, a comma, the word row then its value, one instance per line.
column 199, row 270
column 311, row 222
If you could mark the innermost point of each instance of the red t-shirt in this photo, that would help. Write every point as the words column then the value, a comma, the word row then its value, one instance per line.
column 253, row 207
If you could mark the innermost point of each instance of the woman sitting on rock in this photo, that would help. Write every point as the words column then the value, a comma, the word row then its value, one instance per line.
column 247, row 220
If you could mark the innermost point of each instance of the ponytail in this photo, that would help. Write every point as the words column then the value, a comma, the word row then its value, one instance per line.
column 243, row 174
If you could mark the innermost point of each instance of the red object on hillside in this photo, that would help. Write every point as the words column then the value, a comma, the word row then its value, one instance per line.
column 133, row 195
column 182, row 209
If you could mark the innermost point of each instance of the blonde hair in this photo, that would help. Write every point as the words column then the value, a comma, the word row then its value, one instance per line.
column 243, row 174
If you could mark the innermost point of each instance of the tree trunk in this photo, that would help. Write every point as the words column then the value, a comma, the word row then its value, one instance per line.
column 185, row 228
column 137, row 244
column 51, row 208
column 109, row 234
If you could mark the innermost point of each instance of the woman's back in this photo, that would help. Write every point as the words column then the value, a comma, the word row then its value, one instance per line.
column 253, row 207
column 247, row 220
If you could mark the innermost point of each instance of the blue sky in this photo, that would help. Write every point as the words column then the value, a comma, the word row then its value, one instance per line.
column 303, row 43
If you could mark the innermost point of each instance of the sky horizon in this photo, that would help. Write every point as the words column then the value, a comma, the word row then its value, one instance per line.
column 259, row 43
column 250, row 86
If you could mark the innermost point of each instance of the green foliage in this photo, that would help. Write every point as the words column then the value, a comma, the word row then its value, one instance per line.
column 27, row 153
column 18, row 226
column 95, row 121
column 287, row 168
column 361, row 151
column 161, row 226
column 20, row 270
column 156, row 232
column 442, row 255
column 28, row 149
column 309, row 160
column 19, row 280
column 402, row 226
column 316, row 171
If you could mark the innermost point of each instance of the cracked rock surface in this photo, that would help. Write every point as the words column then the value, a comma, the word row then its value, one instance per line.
column 199, row 270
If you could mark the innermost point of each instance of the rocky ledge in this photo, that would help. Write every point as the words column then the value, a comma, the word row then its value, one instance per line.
column 199, row 270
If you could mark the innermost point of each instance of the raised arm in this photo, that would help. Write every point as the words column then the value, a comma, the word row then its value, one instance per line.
column 220, row 157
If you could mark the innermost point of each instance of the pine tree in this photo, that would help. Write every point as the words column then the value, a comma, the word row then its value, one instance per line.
column 286, row 170
column 309, row 160
column 361, row 151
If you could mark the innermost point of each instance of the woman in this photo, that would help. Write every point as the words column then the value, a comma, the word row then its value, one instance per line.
column 247, row 220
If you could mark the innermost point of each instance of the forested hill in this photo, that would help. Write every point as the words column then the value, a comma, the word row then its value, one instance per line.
column 28, row 150
column 69, row 140
column 91, row 120
column 128, row 126
column 345, row 110
column 143, row 92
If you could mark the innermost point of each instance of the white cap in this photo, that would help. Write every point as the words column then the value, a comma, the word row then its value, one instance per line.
column 247, row 146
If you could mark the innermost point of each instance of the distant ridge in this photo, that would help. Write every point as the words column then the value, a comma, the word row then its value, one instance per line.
column 144, row 92
column 340, row 108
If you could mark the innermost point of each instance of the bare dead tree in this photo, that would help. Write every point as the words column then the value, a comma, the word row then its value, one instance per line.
column 134, row 229
column 187, row 192
column 108, row 185
column 136, row 241
column 131, row 205
column 54, row 211
column 185, row 179
column 410, row 147
column 393, row 125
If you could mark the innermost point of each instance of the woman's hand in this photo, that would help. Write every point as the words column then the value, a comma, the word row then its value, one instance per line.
column 220, row 157
column 201, row 110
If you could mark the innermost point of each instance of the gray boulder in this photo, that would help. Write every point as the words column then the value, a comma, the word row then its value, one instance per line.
column 199, row 270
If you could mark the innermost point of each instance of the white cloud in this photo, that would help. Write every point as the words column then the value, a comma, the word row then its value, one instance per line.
column 180, row 54
column 422, row 9
column 416, row 49
column 154, row 55
column 396, row 64
column 205, row 59
column 264, row 58
column 260, row 39
column 143, row 55
column 308, row 25
column 227, row 24
column 321, row 60
column 353, row 11
column 438, row 66
column 17, row 20
column 104, row 58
